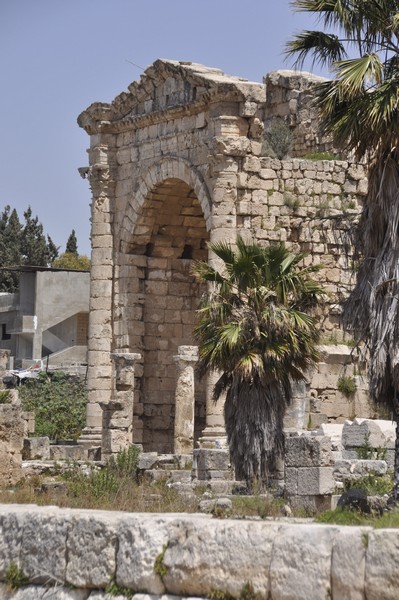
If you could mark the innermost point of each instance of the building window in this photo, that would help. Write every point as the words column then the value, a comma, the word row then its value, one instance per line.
column 4, row 334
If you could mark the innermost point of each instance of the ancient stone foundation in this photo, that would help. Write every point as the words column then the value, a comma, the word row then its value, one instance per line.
column 78, row 554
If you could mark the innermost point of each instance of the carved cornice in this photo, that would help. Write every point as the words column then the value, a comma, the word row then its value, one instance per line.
column 213, row 84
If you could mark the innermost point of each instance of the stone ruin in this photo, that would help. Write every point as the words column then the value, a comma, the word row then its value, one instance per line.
column 175, row 162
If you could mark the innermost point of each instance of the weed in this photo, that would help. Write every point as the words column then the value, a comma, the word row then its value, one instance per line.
column 291, row 201
column 5, row 397
column 323, row 207
column 247, row 592
column 310, row 424
column 367, row 452
column 113, row 589
column 371, row 484
column 365, row 539
column 277, row 140
column 159, row 566
column 346, row 385
column 15, row 577
column 220, row 595
column 125, row 463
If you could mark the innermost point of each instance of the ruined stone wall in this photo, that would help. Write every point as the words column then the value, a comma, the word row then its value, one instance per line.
column 75, row 554
column 289, row 98
column 311, row 206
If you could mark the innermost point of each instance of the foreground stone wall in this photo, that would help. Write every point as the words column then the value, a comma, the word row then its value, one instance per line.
column 75, row 554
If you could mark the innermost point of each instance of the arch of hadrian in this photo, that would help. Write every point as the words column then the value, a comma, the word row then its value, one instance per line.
column 175, row 162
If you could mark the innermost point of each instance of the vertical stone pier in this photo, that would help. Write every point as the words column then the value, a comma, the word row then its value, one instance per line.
column 185, row 399
column 100, row 175
column 117, row 417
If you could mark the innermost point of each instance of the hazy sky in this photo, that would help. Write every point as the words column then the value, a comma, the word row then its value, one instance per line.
column 59, row 56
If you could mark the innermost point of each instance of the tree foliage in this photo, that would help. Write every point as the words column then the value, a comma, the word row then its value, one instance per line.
column 360, row 108
column 72, row 244
column 22, row 244
column 70, row 260
column 255, row 330
column 59, row 404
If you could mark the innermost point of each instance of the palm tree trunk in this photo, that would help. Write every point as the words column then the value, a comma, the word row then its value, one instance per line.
column 254, row 416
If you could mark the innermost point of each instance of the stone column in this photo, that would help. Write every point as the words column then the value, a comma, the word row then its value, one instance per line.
column 117, row 417
column 101, row 295
column 185, row 399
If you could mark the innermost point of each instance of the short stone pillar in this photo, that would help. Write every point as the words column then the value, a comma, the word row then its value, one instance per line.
column 4, row 359
column 117, row 429
column 214, row 434
column 185, row 399
column 309, row 481
column 11, row 443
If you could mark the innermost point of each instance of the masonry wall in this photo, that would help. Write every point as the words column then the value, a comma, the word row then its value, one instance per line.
column 75, row 554
column 176, row 162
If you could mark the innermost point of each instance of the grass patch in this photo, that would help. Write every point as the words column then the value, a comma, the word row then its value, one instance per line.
column 351, row 517
column 346, row 385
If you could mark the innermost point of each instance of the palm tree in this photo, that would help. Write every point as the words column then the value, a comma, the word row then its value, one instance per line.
column 360, row 108
column 255, row 331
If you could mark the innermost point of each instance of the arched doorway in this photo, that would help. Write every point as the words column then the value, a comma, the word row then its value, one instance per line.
column 169, row 234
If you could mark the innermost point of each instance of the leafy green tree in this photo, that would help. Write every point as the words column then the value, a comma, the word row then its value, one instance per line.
column 360, row 108
column 10, row 248
column 36, row 250
column 70, row 260
column 22, row 244
column 255, row 330
column 72, row 244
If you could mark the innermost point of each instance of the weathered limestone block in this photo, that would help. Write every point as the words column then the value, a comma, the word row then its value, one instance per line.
column 307, row 572
column 309, row 481
column 307, row 451
column 185, row 399
column 377, row 433
column 12, row 430
column 55, row 592
column 91, row 550
column 191, row 540
column 36, row 448
column 209, row 460
column 140, row 541
column 382, row 558
column 43, row 554
column 348, row 563
column 11, row 526
column 334, row 432
column 345, row 469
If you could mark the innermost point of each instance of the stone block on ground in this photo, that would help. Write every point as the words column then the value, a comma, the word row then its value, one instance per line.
column 374, row 433
column 37, row 448
column 307, row 451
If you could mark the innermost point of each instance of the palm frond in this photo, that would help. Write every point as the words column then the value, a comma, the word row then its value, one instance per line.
column 323, row 48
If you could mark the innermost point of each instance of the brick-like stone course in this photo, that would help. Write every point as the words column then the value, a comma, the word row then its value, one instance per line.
column 73, row 554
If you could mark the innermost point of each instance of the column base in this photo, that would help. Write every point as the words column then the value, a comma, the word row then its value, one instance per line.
column 90, row 437
column 213, row 437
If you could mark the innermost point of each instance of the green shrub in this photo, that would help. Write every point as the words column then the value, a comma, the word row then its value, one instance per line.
column 371, row 484
column 278, row 140
column 59, row 403
column 346, row 385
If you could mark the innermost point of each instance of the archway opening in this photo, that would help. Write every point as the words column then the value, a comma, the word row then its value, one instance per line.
column 169, row 234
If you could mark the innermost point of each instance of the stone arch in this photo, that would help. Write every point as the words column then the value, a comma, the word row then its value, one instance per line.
column 168, row 167
column 164, row 230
